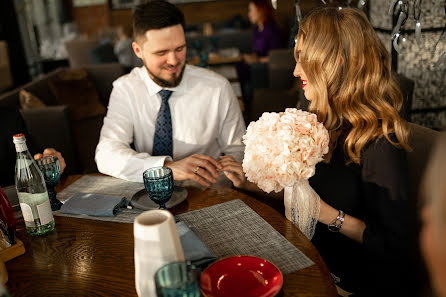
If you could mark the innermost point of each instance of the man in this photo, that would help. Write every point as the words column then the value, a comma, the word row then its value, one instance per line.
column 176, row 115
column 12, row 123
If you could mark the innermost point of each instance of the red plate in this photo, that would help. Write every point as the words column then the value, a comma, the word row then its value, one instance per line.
column 241, row 276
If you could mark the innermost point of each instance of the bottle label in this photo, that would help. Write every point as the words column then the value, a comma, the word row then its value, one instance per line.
column 27, row 214
column 37, row 206
column 20, row 147
column 45, row 213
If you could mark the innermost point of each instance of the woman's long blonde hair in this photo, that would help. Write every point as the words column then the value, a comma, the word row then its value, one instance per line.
column 349, row 69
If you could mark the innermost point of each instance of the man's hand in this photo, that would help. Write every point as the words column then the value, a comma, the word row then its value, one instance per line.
column 200, row 168
column 52, row 152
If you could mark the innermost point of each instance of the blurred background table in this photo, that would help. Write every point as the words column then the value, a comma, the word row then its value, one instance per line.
column 95, row 258
column 216, row 60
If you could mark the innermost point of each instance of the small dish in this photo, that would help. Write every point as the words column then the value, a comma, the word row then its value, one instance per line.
column 241, row 276
column 141, row 199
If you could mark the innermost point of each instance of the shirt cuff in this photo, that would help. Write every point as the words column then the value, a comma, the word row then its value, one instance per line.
column 156, row 161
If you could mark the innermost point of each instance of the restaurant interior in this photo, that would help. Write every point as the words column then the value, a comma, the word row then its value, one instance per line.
column 40, row 38
column 58, row 61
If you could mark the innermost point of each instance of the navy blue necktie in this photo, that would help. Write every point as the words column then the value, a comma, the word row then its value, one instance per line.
column 162, row 140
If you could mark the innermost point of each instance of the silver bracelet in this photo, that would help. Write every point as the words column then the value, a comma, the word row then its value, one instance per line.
column 336, row 225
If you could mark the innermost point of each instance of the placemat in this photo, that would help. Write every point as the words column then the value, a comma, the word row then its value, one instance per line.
column 233, row 228
column 104, row 185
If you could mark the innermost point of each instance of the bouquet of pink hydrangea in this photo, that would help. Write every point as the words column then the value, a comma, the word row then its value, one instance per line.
column 283, row 147
column 282, row 150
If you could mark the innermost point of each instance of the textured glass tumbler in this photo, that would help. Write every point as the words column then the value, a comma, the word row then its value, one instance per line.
column 178, row 279
column 50, row 168
column 158, row 182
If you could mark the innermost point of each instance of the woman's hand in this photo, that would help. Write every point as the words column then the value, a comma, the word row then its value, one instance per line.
column 234, row 172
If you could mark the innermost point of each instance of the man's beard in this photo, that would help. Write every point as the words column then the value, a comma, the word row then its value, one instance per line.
column 166, row 83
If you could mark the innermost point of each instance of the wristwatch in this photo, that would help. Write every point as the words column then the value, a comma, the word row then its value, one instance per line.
column 336, row 225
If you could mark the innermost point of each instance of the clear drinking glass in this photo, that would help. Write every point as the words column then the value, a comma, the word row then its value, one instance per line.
column 178, row 279
column 50, row 168
column 158, row 182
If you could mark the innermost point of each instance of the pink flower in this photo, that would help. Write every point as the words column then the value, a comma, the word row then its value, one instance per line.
column 283, row 147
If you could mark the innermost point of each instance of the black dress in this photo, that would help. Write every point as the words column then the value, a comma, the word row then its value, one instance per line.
column 11, row 122
column 376, row 191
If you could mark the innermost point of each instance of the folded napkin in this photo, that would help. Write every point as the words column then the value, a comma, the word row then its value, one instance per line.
column 195, row 250
column 94, row 205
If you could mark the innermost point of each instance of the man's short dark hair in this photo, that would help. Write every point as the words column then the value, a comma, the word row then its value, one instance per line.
column 157, row 14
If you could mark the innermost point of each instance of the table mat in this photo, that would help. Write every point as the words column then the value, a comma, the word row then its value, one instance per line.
column 233, row 228
column 104, row 185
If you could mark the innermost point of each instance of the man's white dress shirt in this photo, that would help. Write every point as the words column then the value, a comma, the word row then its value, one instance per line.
column 206, row 119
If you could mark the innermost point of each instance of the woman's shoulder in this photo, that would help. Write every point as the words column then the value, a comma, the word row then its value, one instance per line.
column 384, row 163
column 382, row 148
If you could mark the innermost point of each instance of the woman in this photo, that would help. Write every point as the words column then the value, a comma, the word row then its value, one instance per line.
column 345, row 73
column 266, row 34
column 433, row 233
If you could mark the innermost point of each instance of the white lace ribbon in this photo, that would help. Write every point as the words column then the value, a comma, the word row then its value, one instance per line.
column 302, row 206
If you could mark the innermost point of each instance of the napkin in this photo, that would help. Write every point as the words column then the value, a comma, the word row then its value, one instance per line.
column 94, row 205
column 195, row 250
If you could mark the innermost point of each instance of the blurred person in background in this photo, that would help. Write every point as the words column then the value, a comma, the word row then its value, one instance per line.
column 433, row 231
column 252, row 71
column 266, row 33
column 123, row 47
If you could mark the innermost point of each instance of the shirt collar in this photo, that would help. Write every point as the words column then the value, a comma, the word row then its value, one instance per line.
column 154, row 88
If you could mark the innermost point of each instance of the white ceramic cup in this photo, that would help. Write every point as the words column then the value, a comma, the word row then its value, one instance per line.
column 156, row 244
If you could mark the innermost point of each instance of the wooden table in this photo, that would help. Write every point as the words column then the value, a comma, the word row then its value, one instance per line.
column 95, row 258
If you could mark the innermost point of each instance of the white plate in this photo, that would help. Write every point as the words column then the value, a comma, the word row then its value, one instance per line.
column 141, row 199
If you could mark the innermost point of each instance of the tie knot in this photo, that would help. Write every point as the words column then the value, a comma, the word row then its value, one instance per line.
column 165, row 94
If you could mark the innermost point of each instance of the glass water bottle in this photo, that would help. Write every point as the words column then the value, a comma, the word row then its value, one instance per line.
column 31, row 190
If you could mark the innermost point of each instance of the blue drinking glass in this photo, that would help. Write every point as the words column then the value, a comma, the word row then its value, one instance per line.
column 203, row 59
column 177, row 279
column 158, row 182
column 50, row 168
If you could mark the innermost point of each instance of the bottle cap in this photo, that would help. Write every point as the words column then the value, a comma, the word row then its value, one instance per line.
column 20, row 142
column 19, row 138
